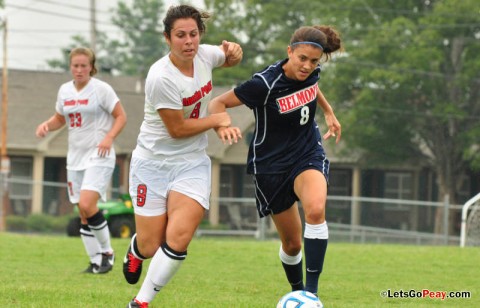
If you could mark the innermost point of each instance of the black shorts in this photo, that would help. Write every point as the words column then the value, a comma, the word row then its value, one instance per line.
column 274, row 193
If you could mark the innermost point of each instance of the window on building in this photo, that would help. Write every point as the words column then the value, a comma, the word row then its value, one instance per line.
column 21, row 176
column 226, row 181
column 399, row 185
column 340, row 183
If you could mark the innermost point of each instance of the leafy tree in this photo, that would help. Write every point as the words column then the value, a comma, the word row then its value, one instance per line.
column 410, row 86
column 263, row 28
column 142, row 24
column 407, row 86
column 142, row 43
column 106, row 60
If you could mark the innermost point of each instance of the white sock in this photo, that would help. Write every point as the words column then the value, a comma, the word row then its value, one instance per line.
column 99, row 227
column 165, row 263
column 92, row 247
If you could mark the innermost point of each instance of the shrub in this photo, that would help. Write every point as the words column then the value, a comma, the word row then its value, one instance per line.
column 59, row 223
column 37, row 223
column 16, row 223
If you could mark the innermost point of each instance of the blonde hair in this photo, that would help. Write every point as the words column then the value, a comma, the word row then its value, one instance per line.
column 87, row 52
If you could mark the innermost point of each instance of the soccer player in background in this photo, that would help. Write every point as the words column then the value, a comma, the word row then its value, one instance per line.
column 286, row 156
column 95, row 117
column 170, row 170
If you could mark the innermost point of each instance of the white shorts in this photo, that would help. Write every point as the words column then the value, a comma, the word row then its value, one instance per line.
column 94, row 178
column 151, row 180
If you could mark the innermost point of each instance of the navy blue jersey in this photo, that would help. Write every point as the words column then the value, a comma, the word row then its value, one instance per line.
column 284, row 110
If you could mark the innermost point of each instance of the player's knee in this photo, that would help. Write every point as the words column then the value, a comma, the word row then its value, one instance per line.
column 315, row 214
column 180, row 241
column 292, row 247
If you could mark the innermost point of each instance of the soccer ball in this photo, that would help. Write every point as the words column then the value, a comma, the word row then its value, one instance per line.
column 303, row 299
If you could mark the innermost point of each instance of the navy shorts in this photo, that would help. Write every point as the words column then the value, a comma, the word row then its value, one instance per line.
column 274, row 193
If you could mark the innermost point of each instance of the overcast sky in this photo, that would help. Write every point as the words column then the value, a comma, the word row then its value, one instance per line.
column 38, row 29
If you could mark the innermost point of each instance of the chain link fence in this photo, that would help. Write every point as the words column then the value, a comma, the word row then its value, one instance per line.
column 350, row 219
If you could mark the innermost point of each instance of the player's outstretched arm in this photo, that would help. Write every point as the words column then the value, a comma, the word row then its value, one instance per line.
column 120, row 117
column 219, row 104
column 223, row 101
column 179, row 127
column 55, row 122
column 334, row 127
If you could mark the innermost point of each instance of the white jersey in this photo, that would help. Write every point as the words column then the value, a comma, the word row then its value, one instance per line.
column 167, row 87
column 88, row 117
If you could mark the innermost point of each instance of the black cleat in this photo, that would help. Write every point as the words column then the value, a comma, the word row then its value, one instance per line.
column 91, row 268
column 132, row 267
column 137, row 304
column 107, row 264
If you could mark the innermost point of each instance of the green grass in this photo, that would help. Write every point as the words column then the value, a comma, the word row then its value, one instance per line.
column 44, row 271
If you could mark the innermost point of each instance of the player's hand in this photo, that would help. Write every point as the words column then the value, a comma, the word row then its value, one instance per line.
column 334, row 127
column 233, row 52
column 229, row 135
column 42, row 130
column 105, row 146
column 221, row 119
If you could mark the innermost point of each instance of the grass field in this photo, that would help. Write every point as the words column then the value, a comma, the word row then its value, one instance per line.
column 44, row 271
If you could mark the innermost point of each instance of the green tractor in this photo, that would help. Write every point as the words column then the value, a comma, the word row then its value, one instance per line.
column 118, row 213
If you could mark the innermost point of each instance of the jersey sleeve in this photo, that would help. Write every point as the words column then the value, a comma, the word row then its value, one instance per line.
column 59, row 103
column 110, row 98
column 212, row 55
column 253, row 93
column 163, row 93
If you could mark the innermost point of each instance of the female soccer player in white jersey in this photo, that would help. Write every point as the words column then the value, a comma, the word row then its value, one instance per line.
column 286, row 155
column 170, row 170
column 94, row 116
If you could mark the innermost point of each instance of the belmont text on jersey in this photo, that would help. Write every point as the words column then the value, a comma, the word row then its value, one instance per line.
column 198, row 95
column 298, row 99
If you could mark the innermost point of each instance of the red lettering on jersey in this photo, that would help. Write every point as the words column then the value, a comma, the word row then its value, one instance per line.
column 192, row 99
column 198, row 95
column 75, row 102
column 196, row 111
column 207, row 88
column 298, row 99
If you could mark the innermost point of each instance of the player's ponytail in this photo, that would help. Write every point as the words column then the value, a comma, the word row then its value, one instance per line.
column 323, row 37
column 333, row 43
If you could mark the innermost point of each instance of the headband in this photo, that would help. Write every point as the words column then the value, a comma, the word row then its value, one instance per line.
column 308, row 42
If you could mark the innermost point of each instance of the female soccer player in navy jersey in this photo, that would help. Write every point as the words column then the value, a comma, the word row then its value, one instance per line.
column 286, row 156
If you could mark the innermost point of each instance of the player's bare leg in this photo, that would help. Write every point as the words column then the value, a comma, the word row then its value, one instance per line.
column 184, row 216
column 144, row 244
